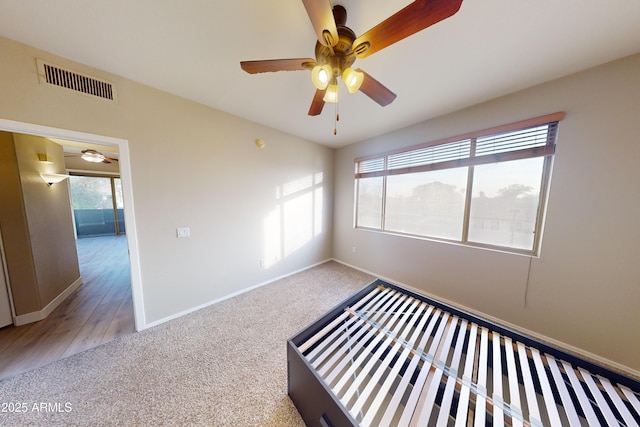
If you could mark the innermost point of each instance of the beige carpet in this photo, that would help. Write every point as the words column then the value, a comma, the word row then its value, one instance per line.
column 224, row 365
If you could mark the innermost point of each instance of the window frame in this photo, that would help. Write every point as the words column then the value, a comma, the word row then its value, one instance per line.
column 377, row 165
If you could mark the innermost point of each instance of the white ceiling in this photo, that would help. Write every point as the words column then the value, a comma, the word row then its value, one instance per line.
column 192, row 48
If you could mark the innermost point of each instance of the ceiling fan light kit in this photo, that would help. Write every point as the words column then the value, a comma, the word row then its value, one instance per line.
column 337, row 48
column 331, row 94
column 320, row 76
column 92, row 156
column 352, row 79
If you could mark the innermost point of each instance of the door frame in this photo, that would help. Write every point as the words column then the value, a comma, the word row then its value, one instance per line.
column 127, row 189
column 4, row 276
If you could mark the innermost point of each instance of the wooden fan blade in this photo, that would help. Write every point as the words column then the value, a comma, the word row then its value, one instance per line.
column 321, row 15
column 376, row 90
column 415, row 17
column 270, row 65
column 318, row 103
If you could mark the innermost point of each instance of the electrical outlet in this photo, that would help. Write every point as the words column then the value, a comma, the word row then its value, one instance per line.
column 183, row 232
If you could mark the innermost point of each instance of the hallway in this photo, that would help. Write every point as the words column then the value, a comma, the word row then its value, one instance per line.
column 98, row 311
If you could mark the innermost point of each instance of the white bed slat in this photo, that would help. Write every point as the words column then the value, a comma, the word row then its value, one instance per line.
column 465, row 390
column 567, row 403
column 600, row 400
column 498, row 413
column 404, row 357
column 346, row 356
column 529, row 388
column 380, row 369
column 311, row 341
column 615, row 398
column 345, row 344
column 481, row 400
column 430, row 389
column 373, row 357
column 447, row 398
column 338, row 333
column 375, row 304
column 631, row 397
column 404, row 383
column 411, row 404
column 547, row 394
column 372, row 340
column 592, row 419
column 514, row 388
column 333, row 373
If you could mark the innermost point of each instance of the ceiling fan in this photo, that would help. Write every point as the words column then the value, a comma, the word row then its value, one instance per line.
column 338, row 47
column 94, row 156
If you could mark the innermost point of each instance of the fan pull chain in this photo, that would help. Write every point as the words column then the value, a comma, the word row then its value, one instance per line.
column 337, row 118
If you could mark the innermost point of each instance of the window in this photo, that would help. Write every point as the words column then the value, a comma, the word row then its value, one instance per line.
column 486, row 188
column 97, row 205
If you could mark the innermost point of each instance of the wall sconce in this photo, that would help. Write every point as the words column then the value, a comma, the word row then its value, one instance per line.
column 53, row 178
column 43, row 158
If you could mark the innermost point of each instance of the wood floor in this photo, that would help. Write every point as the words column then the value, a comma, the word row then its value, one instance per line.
column 98, row 311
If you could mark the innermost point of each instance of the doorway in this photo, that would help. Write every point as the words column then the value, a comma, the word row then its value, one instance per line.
column 126, row 209
column 127, row 190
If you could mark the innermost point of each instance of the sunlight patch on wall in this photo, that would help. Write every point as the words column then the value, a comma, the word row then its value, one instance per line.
column 295, row 219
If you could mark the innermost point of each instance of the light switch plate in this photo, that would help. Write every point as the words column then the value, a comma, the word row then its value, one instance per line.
column 183, row 232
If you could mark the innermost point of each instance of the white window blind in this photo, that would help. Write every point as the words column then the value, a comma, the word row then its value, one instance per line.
column 536, row 138
column 429, row 155
column 370, row 165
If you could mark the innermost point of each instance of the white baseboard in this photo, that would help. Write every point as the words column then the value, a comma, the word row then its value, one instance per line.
column 226, row 297
column 547, row 340
column 35, row 316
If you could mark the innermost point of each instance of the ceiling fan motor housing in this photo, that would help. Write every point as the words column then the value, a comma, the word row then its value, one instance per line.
column 340, row 56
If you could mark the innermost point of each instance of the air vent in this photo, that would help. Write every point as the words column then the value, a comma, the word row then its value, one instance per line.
column 62, row 77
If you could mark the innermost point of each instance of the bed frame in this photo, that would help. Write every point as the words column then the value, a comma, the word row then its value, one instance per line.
column 389, row 357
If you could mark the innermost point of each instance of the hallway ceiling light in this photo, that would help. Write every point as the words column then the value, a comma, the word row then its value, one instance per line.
column 92, row 156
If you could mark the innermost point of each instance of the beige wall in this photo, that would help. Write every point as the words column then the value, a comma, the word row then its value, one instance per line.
column 49, row 217
column 192, row 166
column 15, row 231
column 584, row 288
column 36, row 223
